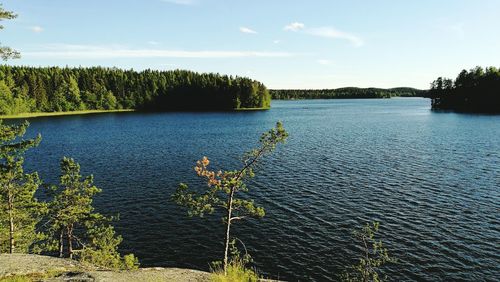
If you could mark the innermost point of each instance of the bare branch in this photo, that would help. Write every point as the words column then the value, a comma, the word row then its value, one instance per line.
column 237, row 218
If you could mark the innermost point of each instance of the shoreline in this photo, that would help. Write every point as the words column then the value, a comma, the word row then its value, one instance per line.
column 51, row 114
column 87, row 112
column 252, row 109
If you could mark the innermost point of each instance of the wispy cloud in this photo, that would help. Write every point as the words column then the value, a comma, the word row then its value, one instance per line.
column 65, row 51
column 326, row 32
column 324, row 62
column 152, row 42
column 181, row 2
column 36, row 29
column 295, row 26
column 247, row 30
column 276, row 41
column 330, row 32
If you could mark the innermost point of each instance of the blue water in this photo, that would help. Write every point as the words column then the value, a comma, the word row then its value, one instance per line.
column 432, row 180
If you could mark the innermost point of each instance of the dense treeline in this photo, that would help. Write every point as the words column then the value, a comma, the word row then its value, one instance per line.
column 54, row 89
column 346, row 93
column 476, row 90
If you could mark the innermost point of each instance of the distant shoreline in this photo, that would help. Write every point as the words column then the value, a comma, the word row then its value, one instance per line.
column 349, row 98
column 346, row 93
column 50, row 114
column 86, row 112
column 252, row 109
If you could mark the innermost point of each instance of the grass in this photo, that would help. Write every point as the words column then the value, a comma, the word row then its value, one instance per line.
column 236, row 272
column 50, row 114
column 32, row 276
column 17, row 278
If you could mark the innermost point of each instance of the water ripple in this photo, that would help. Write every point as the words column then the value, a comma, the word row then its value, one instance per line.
column 432, row 179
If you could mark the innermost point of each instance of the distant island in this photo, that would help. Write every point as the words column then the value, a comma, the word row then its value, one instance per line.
column 53, row 89
column 476, row 90
column 346, row 93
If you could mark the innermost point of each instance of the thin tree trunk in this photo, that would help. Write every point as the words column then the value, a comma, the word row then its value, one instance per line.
column 230, row 205
column 11, row 224
column 70, row 241
column 61, row 243
column 228, row 227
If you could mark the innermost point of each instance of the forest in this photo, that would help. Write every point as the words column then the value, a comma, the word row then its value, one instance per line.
column 476, row 90
column 346, row 93
column 54, row 89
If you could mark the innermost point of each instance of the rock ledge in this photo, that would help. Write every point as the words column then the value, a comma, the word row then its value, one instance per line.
column 58, row 269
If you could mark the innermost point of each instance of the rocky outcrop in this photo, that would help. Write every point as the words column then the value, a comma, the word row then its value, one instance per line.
column 45, row 268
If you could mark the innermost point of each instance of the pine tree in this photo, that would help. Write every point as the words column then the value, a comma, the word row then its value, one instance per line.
column 373, row 258
column 7, row 52
column 82, row 233
column 72, row 205
column 224, row 187
column 19, row 209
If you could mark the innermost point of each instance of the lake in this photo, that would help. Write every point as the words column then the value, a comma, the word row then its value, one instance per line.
column 432, row 179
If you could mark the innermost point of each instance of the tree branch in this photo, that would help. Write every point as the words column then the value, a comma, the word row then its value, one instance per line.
column 237, row 218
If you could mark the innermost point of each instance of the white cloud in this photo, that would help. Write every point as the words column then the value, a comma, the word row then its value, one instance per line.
column 247, row 30
column 324, row 62
column 296, row 26
column 181, row 2
column 152, row 42
column 66, row 51
column 326, row 31
column 36, row 29
column 330, row 32
column 276, row 41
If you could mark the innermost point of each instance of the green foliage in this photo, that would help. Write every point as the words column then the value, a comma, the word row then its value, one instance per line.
column 476, row 90
column 11, row 105
column 70, row 89
column 221, row 184
column 5, row 99
column 130, row 262
column 236, row 272
column 46, row 275
column 71, row 220
column 20, row 211
column 71, row 206
column 224, row 186
column 7, row 52
column 74, row 223
column 237, row 269
column 73, row 202
column 375, row 256
column 102, row 249
column 16, row 278
column 345, row 93
column 109, row 101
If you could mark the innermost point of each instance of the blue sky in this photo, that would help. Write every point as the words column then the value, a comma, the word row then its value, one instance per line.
column 283, row 43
